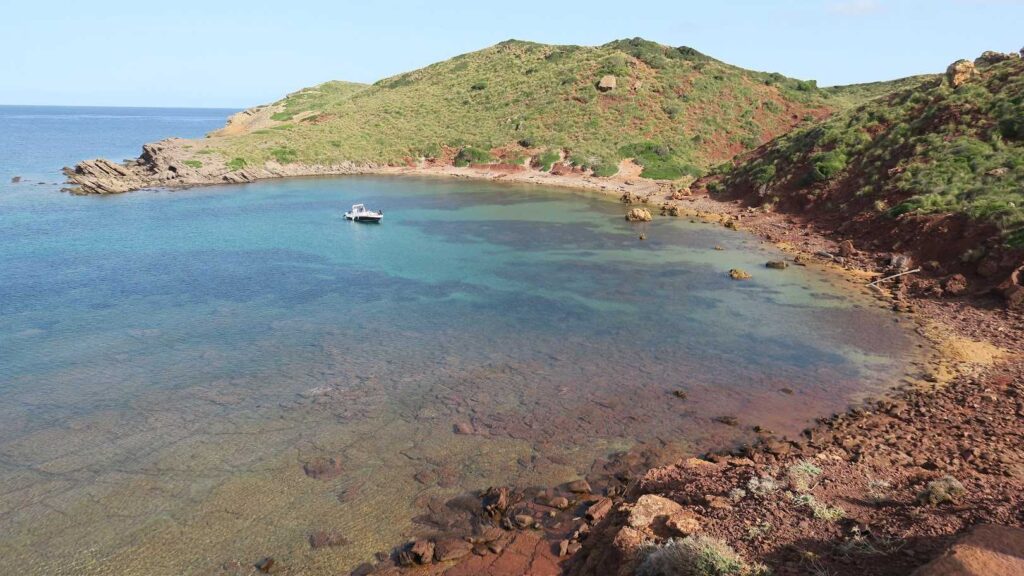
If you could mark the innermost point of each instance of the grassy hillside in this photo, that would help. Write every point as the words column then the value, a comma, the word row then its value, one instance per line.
column 675, row 110
column 933, row 149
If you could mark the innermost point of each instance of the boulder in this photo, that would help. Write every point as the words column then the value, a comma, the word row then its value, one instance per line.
column 985, row 551
column 846, row 248
column 607, row 83
column 651, row 508
column 639, row 215
column 776, row 264
column 15, row 179
column 959, row 72
column 738, row 274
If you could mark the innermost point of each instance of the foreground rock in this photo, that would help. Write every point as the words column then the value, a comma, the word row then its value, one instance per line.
column 985, row 551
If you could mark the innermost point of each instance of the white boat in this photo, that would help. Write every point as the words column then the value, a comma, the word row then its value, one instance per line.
column 359, row 213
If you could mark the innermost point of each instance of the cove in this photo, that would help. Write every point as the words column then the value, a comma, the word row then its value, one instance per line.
column 170, row 361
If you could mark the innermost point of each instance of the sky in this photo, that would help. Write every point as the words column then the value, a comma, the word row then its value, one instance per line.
column 238, row 54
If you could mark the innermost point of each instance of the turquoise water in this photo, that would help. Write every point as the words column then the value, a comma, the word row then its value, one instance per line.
column 169, row 360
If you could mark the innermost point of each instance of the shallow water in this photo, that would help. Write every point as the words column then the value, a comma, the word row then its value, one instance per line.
column 169, row 360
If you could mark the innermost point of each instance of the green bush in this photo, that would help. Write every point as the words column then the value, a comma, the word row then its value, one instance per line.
column 605, row 169
column 470, row 155
column 763, row 174
column 284, row 155
column 546, row 160
column 193, row 164
column 236, row 164
column 478, row 86
column 826, row 165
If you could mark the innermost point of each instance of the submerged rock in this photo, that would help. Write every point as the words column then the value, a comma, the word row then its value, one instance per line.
column 579, row 487
column 326, row 539
column 739, row 274
column 322, row 468
column 776, row 264
column 16, row 179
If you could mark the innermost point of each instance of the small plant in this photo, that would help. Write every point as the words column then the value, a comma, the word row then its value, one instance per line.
column 801, row 475
column 820, row 510
column 237, row 164
column 945, row 489
column 762, row 486
column 695, row 556
column 193, row 164
column 758, row 530
column 737, row 494
column 878, row 492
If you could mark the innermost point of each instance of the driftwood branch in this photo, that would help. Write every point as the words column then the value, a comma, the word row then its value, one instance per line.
column 876, row 282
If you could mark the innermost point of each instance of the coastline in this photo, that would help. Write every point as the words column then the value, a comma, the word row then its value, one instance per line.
column 967, row 332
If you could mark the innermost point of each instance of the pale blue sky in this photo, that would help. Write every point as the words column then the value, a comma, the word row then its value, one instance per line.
column 237, row 54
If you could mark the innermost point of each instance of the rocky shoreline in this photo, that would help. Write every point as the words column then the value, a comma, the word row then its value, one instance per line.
column 850, row 496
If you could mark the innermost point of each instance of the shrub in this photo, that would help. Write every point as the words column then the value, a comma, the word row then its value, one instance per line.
column 193, row 164
column 284, row 155
column 945, row 489
column 763, row 174
column 826, row 165
column 821, row 511
column 478, row 86
column 546, row 160
column 605, row 169
column 282, row 116
column 695, row 556
column 801, row 475
column 469, row 155
column 615, row 65
column 762, row 486
column 236, row 164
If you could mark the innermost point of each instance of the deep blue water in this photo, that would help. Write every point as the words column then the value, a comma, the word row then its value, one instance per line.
column 169, row 359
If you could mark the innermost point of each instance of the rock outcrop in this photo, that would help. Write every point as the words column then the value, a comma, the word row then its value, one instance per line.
column 959, row 72
column 172, row 163
column 990, row 57
column 607, row 83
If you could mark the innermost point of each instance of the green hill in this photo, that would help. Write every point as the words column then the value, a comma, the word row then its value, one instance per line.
column 934, row 149
column 675, row 110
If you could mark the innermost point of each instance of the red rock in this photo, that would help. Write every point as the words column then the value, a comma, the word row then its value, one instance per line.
column 650, row 508
column 422, row 551
column 463, row 428
column 846, row 249
column 599, row 510
column 560, row 502
column 955, row 285
column 451, row 549
column 985, row 551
